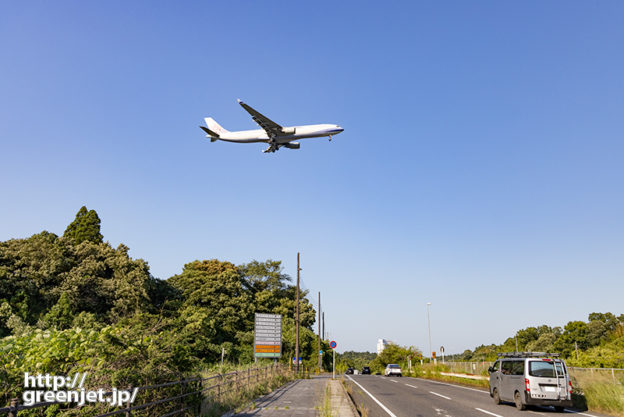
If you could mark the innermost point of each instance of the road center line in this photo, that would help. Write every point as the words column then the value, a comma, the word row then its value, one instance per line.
column 487, row 412
column 371, row 395
column 440, row 395
column 413, row 386
column 394, row 381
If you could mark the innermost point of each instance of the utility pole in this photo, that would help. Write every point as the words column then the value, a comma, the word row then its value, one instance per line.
column 319, row 334
column 324, row 326
column 297, row 320
column 429, row 327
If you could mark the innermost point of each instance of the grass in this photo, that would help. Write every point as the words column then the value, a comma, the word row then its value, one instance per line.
column 243, row 397
column 326, row 410
column 360, row 408
column 598, row 392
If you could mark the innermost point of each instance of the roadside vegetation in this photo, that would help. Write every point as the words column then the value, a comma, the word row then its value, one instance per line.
column 73, row 303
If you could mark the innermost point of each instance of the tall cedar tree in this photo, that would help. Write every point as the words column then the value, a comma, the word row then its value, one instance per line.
column 86, row 226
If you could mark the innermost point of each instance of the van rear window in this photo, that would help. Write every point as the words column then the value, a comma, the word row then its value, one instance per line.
column 544, row 369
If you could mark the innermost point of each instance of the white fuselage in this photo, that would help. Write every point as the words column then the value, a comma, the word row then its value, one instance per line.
column 292, row 133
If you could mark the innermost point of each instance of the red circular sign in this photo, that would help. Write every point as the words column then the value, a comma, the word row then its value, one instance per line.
column 332, row 344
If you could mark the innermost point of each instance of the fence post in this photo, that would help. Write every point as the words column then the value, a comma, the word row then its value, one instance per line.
column 219, row 387
column 13, row 410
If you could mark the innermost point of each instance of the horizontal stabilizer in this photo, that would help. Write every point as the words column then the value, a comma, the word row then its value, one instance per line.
column 213, row 135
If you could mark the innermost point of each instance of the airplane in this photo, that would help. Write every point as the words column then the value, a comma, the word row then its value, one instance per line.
column 272, row 133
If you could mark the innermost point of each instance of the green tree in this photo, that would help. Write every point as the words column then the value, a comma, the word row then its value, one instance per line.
column 86, row 226
column 574, row 333
column 61, row 315
column 215, row 306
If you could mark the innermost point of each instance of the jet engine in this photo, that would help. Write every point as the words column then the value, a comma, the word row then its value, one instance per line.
column 288, row 130
column 292, row 145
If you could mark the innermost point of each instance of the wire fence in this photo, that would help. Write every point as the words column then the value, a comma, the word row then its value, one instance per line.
column 615, row 375
column 185, row 397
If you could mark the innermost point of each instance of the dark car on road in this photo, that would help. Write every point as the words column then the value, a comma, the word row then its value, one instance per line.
column 349, row 371
column 366, row 370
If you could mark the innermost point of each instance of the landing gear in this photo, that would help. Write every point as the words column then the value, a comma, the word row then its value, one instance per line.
column 272, row 147
column 330, row 138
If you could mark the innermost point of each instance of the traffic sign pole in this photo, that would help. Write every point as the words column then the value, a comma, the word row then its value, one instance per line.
column 333, row 345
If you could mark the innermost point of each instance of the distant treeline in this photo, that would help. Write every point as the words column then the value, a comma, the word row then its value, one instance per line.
column 596, row 343
column 73, row 303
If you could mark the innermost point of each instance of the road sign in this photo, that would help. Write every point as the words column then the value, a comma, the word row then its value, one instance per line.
column 442, row 349
column 433, row 355
column 332, row 344
column 294, row 361
column 268, row 335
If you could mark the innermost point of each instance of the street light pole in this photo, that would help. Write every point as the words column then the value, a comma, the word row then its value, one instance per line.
column 297, row 320
column 429, row 327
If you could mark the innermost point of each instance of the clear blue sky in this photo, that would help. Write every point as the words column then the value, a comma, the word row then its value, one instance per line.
column 481, row 167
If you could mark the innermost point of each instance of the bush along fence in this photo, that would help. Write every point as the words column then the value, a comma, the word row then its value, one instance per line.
column 196, row 396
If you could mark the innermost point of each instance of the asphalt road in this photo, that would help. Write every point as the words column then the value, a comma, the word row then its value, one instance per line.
column 414, row 397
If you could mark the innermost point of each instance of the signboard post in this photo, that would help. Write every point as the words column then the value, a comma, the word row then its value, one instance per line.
column 333, row 345
column 268, row 336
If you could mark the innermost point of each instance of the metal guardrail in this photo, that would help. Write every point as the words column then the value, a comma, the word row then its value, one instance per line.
column 218, row 386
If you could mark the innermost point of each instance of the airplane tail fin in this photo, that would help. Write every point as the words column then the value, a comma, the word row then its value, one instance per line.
column 214, row 126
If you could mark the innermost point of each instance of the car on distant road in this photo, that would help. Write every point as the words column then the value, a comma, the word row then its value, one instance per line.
column 393, row 369
column 349, row 371
column 531, row 378
column 366, row 370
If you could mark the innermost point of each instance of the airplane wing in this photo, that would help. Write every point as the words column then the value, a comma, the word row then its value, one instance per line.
column 272, row 128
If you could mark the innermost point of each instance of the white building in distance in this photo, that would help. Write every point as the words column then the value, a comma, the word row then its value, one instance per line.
column 381, row 345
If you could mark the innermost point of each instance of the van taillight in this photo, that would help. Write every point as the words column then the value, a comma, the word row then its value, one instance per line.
column 570, row 384
column 527, row 386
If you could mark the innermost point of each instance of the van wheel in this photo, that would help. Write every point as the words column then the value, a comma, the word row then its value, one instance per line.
column 559, row 409
column 518, row 401
column 496, row 396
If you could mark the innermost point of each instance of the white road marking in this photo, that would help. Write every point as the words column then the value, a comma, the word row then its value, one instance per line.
column 487, row 412
column 457, row 386
column 413, row 386
column 374, row 399
column 575, row 412
column 394, row 381
column 535, row 412
column 442, row 412
column 440, row 395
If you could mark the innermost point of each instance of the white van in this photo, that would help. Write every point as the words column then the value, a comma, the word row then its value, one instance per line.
column 531, row 378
